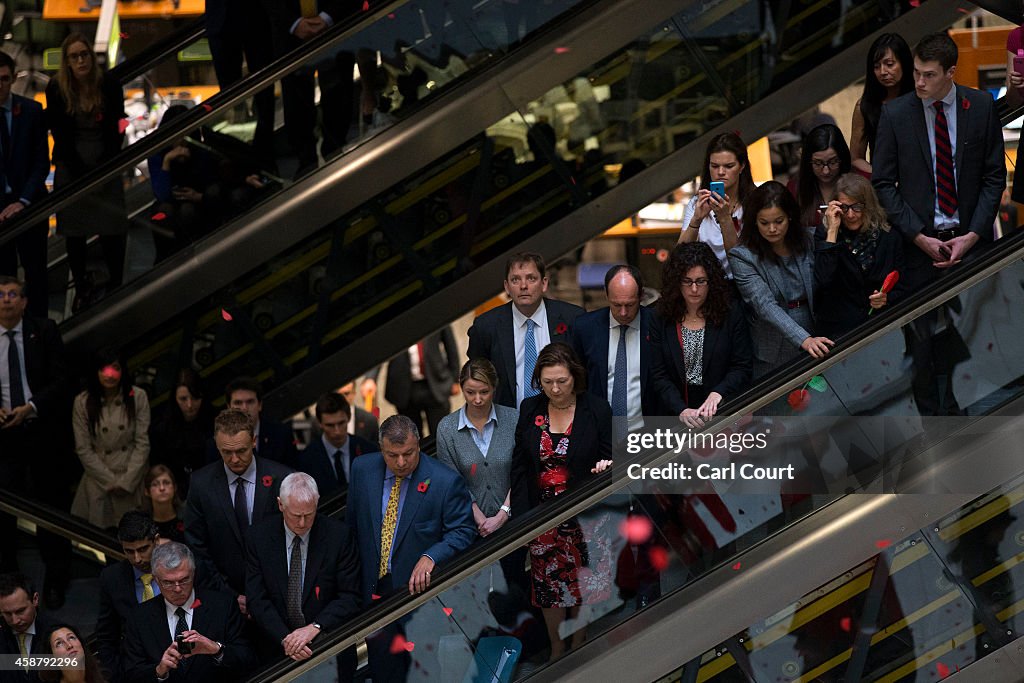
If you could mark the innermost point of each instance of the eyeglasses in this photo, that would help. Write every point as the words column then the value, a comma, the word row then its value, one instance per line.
column 174, row 584
column 79, row 56
column 700, row 283
column 856, row 208
column 11, row 294
column 821, row 165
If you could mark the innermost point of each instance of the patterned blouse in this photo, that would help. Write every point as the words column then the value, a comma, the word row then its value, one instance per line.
column 693, row 355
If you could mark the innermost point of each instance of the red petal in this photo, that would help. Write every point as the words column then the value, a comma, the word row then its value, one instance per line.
column 884, row 543
column 374, row 596
column 472, row 470
column 122, row 126
column 658, row 557
column 207, row 107
column 941, row 669
column 844, row 624
column 636, row 529
column 410, row 646
column 736, row 567
column 159, row 216
column 890, row 281
column 799, row 399
column 224, row 314
column 447, row 611
column 398, row 644
column 561, row 50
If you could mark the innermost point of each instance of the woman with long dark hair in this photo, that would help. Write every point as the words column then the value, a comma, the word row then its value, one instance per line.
column 824, row 157
column 853, row 254
column 180, row 433
column 889, row 74
column 62, row 641
column 774, row 269
column 700, row 342
column 83, row 111
column 110, row 420
column 712, row 219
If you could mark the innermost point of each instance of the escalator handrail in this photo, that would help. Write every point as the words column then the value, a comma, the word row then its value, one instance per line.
column 194, row 118
column 522, row 530
column 60, row 523
column 156, row 53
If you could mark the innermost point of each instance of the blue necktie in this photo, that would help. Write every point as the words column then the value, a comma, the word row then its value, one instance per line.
column 620, row 381
column 529, row 360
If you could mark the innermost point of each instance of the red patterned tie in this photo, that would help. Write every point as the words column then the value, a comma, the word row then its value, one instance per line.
column 945, row 181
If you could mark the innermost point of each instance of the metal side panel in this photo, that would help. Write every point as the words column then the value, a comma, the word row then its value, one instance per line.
column 793, row 563
column 1005, row 665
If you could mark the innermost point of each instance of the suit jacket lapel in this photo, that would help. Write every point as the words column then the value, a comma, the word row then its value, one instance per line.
column 710, row 339
column 919, row 122
column 554, row 321
column 262, row 497
column 645, row 338
column 226, row 504
column 413, row 498
column 507, row 342
column 603, row 350
column 961, row 127
column 314, row 556
column 375, row 495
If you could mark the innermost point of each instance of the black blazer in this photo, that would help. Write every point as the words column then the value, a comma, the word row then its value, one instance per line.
column 441, row 361
column 725, row 364
column 366, row 425
column 210, row 527
column 30, row 154
column 275, row 442
column 216, row 617
column 590, row 340
column 330, row 587
column 842, row 288
column 313, row 461
column 117, row 601
column 591, row 440
column 62, row 124
column 492, row 337
column 46, row 370
column 9, row 646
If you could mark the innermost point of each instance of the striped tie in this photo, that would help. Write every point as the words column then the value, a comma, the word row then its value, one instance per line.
column 945, row 180
column 529, row 360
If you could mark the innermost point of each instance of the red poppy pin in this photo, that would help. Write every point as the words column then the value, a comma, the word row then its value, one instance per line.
column 966, row 104
column 359, row 450
column 180, row 526
column 99, row 116
column 131, row 393
column 16, row 110
column 423, row 486
column 316, row 589
column 196, row 603
column 268, row 481
column 561, row 328
column 539, row 420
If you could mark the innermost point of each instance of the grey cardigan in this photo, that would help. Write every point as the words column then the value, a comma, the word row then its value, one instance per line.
column 488, row 479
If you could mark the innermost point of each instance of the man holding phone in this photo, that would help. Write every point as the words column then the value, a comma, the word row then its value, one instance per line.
column 185, row 634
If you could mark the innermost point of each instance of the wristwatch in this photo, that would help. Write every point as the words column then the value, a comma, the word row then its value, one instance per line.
column 507, row 510
column 317, row 626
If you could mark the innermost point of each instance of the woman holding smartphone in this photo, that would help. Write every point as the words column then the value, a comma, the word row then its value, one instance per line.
column 1015, row 89
column 714, row 217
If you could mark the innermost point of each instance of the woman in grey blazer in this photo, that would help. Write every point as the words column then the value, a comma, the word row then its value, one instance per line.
column 477, row 441
column 773, row 267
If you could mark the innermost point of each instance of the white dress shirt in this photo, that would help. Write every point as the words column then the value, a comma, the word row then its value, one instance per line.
column 346, row 458
column 172, row 618
column 540, row 335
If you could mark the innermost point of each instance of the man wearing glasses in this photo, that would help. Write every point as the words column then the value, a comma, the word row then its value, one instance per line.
column 185, row 634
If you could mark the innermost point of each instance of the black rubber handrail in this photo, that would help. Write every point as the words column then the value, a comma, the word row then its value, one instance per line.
column 61, row 523
column 156, row 53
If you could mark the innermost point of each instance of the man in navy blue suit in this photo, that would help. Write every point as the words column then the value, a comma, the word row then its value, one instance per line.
column 328, row 459
column 503, row 334
column 24, row 165
column 600, row 343
column 409, row 514
column 273, row 440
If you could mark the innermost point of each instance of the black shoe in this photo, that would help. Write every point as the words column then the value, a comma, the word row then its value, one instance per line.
column 54, row 597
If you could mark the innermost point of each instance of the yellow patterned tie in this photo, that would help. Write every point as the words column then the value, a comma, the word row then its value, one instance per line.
column 21, row 645
column 147, row 586
column 307, row 8
column 387, row 533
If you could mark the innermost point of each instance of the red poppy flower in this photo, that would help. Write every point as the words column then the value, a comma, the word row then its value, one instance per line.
column 180, row 526
column 16, row 110
column 561, row 328
column 423, row 486
column 268, row 481
column 966, row 104
column 799, row 399
column 196, row 603
column 316, row 589
column 159, row 216
column 539, row 421
column 99, row 116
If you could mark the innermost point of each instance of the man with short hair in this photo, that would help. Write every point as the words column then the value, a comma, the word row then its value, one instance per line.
column 511, row 336
column 362, row 423
column 125, row 585
column 187, row 633
column 614, row 344
column 24, row 165
column 23, row 630
column 302, row 575
column 409, row 513
column 272, row 439
column 938, row 169
column 225, row 498
column 328, row 459
column 35, row 418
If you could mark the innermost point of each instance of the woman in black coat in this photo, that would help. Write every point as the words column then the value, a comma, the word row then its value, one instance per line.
column 563, row 437
column 84, row 109
column 701, row 349
column 853, row 254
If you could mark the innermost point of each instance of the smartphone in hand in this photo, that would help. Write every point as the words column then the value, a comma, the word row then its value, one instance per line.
column 718, row 188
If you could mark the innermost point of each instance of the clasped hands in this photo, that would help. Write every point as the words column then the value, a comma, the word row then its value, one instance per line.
column 14, row 416
column 296, row 643
column 946, row 254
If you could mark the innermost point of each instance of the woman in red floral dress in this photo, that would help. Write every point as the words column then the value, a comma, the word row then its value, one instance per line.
column 563, row 436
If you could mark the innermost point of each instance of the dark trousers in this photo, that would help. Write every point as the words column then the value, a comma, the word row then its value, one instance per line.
column 30, row 247
column 114, row 248
column 423, row 405
column 385, row 665
column 247, row 34
column 336, row 92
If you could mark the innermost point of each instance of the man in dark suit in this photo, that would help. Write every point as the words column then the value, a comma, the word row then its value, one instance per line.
column 23, row 630
column 273, row 439
column 125, row 585
column 409, row 514
column 34, row 418
column 224, row 499
column 237, row 29
column 600, row 343
column 938, row 169
column 512, row 335
column 423, row 377
column 188, row 633
column 302, row 575
column 362, row 423
column 328, row 459
column 24, row 165
column 293, row 23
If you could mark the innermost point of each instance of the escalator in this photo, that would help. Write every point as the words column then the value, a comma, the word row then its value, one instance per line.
column 341, row 264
